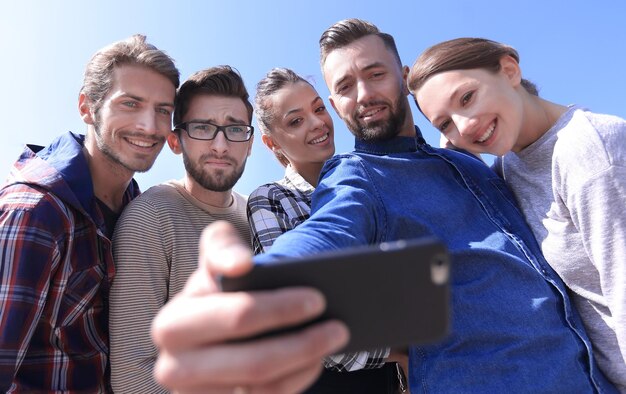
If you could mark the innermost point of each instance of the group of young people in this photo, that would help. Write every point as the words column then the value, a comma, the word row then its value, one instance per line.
column 538, row 281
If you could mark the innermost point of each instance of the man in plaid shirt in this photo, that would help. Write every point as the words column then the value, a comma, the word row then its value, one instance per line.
column 57, row 212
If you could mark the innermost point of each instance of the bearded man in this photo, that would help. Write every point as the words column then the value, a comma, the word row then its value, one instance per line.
column 156, row 240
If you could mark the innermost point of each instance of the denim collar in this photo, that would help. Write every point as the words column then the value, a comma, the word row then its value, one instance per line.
column 393, row 145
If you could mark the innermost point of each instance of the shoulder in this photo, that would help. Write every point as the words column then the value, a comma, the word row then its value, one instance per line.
column 22, row 196
column 266, row 197
column 347, row 165
column 239, row 198
column 349, row 158
column 157, row 201
column 275, row 200
column 591, row 142
column 30, row 197
column 240, row 203
column 269, row 191
column 160, row 192
column 32, row 207
column 163, row 194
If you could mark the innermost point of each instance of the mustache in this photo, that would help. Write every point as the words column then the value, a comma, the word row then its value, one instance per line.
column 149, row 137
column 362, row 108
column 226, row 158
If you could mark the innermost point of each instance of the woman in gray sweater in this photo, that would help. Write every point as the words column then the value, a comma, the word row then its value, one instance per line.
column 565, row 164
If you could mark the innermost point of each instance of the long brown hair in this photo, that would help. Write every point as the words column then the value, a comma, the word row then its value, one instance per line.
column 462, row 54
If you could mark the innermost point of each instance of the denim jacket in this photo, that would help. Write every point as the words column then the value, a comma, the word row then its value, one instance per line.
column 513, row 327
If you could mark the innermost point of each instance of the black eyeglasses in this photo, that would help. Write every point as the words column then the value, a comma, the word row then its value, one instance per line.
column 208, row 131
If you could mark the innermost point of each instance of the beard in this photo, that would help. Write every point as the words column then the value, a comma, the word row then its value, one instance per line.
column 220, row 181
column 383, row 129
column 116, row 157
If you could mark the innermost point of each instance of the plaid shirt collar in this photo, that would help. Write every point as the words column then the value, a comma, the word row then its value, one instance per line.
column 293, row 180
column 62, row 169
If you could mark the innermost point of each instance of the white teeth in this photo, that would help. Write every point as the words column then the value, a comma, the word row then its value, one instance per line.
column 371, row 113
column 488, row 134
column 321, row 139
column 142, row 144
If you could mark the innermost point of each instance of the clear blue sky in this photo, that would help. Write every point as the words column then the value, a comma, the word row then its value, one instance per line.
column 575, row 50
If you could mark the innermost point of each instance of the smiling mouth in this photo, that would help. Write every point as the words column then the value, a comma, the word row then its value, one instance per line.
column 487, row 134
column 319, row 140
column 370, row 113
column 140, row 143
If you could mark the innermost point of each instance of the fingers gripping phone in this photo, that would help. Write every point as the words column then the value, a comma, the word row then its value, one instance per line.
column 389, row 295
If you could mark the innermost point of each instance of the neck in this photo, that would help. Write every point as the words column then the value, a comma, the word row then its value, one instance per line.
column 539, row 116
column 206, row 196
column 309, row 171
column 109, row 181
column 408, row 127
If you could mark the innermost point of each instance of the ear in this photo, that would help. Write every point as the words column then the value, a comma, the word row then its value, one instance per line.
column 269, row 142
column 510, row 68
column 332, row 103
column 173, row 140
column 405, row 79
column 84, row 108
column 250, row 143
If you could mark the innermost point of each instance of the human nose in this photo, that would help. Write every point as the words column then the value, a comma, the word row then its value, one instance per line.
column 466, row 125
column 219, row 144
column 364, row 92
column 147, row 122
column 317, row 122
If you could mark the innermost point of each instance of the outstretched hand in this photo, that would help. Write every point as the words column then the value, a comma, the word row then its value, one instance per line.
column 199, row 332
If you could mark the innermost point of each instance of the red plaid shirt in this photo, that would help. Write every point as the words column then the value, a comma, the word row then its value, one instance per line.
column 55, row 268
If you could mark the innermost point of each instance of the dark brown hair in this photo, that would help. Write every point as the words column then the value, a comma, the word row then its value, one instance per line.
column 347, row 31
column 275, row 80
column 216, row 81
column 462, row 54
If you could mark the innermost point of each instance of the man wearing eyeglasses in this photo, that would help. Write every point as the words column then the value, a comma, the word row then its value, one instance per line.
column 156, row 239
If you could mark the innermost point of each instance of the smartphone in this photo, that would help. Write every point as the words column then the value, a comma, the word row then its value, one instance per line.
column 392, row 294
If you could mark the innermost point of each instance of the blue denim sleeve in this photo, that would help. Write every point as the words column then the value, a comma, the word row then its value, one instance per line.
column 346, row 211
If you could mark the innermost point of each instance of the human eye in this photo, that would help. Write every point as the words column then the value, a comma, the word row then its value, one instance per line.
column 199, row 127
column 237, row 132
column 201, row 130
column 467, row 97
column 320, row 109
column 343, row 88
column 295, row 122
column 164, row 111
column 377, row 74
column 236, row 129
column 444, row 125
column 130, row 103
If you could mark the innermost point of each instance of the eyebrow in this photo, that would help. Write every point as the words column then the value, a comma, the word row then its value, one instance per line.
column 142, row 100
column 299, row 109
column 341, row 80
column 373, row 65
column 366, row 68
column 229, row 118
column 451, row 100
